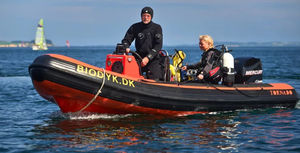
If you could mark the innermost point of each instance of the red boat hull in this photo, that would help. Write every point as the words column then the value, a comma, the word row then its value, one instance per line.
column 71, row 100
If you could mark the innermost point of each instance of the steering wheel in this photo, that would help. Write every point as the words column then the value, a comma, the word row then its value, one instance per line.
column 139, row 59
column 136, row 54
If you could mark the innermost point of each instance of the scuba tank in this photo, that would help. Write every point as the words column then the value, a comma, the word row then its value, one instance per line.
column 228, row 67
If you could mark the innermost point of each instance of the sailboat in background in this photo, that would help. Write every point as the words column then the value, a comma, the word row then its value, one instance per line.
column 40, row 40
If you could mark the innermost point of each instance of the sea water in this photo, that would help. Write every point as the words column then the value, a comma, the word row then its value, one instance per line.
column 29, row 123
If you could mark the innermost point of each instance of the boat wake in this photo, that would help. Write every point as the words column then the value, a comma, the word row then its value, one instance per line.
column 298, row 105
column 87, row 116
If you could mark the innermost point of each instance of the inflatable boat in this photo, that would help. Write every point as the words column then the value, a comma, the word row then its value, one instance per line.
column 119, row 88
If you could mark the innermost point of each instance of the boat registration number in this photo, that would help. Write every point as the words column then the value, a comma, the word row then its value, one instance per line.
column 281, row 92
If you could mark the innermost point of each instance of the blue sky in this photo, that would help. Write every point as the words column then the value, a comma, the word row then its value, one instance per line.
column 104, row 22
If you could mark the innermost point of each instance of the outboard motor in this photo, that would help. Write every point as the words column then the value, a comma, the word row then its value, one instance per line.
column 228, row 67
column 249, row 70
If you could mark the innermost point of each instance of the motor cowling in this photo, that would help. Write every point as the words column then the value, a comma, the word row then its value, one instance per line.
column 249, row 70
column 228, row 69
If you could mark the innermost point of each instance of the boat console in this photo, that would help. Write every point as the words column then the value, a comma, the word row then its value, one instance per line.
column 121, row 63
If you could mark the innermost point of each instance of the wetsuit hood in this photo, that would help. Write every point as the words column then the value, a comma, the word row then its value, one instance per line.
column 148, row 10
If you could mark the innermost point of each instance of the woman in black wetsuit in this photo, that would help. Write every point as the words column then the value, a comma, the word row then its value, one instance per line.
column 209, row 69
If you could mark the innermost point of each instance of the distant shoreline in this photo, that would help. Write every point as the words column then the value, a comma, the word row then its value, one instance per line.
column 252, row 44
column 24, row 44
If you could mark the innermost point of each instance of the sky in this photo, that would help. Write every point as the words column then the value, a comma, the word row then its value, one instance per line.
column 105, row 22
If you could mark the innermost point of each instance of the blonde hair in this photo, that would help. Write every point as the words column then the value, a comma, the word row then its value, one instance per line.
column 208, row 39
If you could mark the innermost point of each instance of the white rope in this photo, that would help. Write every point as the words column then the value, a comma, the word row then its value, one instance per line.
column 99, row 91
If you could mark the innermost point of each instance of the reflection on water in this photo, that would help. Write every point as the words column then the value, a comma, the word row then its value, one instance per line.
column 280, row 134
column 106, row 132
column 269, row 131
column 233, row 131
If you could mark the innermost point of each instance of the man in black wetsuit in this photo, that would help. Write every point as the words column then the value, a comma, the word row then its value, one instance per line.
column 148, row 42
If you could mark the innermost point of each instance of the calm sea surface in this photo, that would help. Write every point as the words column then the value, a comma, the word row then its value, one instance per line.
column 28, row 123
